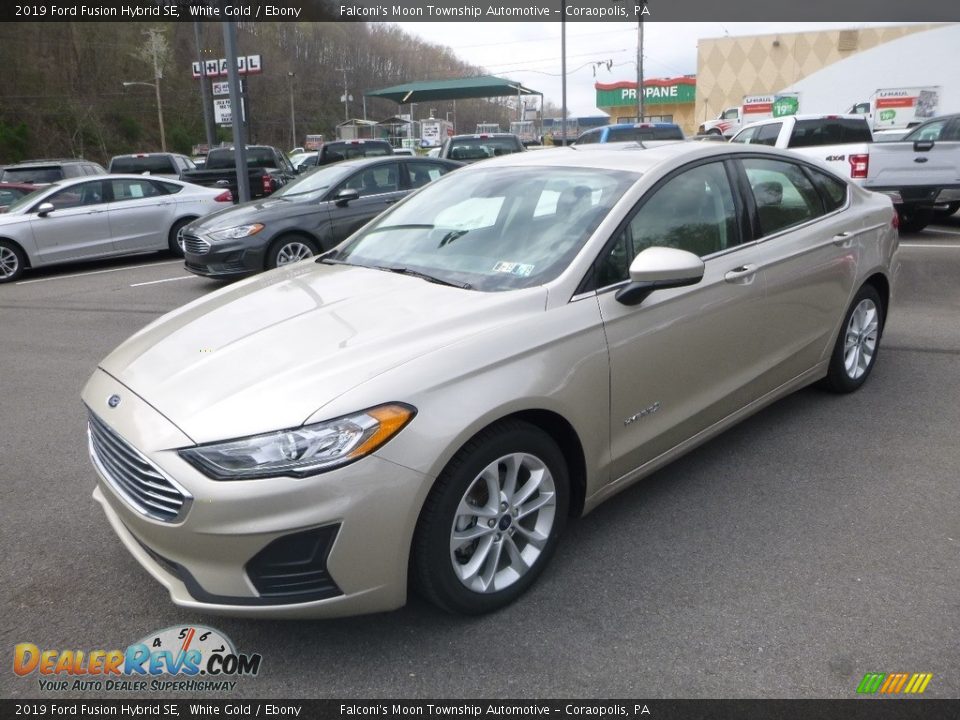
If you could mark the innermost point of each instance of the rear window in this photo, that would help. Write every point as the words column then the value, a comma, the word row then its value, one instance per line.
column 35, row 175
column 159, row 164
column 479, row 148
column 832, row 131
column 644, row 133
column 256, row 158
column 349, row 151
column 589, row 138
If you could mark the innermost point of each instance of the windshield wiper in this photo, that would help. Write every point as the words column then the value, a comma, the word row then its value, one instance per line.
column 423, row 276
column 412, row 226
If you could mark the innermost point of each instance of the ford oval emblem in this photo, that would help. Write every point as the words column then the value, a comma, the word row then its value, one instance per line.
column 113, row 401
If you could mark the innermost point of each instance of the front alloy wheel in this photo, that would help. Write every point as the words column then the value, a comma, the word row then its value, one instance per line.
column 11, row 262
column 492, row 520
column 290, row 250
column 503, row 523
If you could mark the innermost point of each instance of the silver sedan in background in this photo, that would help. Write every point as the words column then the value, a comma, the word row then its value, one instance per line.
column 427, row 404
column 97, row 217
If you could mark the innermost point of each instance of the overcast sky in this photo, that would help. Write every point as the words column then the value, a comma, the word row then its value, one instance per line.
column 530, row 52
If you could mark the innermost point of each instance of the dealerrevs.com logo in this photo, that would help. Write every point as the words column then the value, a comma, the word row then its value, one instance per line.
column 189, row 659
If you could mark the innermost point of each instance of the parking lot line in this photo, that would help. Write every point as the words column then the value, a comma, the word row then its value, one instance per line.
column 154, row 282
column 98, row 272
column 945, row 231
column 928, row 245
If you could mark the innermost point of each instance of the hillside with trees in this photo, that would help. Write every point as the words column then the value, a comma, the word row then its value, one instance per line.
column 63, row 92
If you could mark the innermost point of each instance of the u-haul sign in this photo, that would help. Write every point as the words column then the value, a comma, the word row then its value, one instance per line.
column 246, row 65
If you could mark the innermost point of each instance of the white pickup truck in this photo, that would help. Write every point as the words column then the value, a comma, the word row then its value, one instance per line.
column 843, row 142
column 921, row 172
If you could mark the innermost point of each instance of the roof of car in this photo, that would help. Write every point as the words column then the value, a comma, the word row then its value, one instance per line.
column 630, row 157
column 51, row 161
column 479, row 136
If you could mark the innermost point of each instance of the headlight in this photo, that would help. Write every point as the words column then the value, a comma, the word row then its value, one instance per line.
column 241, row 231
column 302, row 451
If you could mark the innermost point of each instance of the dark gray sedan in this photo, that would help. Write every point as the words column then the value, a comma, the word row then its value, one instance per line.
column 307, row 216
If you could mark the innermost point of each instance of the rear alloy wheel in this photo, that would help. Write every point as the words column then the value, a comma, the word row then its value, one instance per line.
column 856, row 350
column 492, row 521
column 914, row 220
column 174, row 241
column 290, row 250
column 12, row 262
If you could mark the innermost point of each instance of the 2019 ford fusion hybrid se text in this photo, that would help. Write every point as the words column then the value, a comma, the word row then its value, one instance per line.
column 425, row 405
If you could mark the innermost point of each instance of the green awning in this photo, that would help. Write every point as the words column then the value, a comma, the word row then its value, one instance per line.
column 473, row 87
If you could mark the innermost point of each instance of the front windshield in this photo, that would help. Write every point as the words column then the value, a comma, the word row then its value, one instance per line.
column 30, row 198
column 493, row 229
column 314, row 181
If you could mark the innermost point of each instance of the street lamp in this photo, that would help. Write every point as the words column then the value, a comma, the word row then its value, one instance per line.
column 293, row 117
column 156, row 87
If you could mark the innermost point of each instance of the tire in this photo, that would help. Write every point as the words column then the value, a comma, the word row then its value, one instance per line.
column 290, row 248
column 913, row 219
column 172, row 237
column 714, row 131
column 12, row 261
column 504, row 545
column 858, row 343
column 947, row 210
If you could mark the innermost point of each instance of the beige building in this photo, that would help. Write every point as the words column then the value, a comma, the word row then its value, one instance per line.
column 730, row 67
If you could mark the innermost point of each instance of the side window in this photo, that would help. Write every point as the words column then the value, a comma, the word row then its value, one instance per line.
column 133, row 189
column 952, row 132
column 731, row 114
column 767, row 134
column 88, row 193
column 374, row 181
column 423, row 172
column 833, row 191
column 930, row 131
column 692, row 211
column 784, row 195
column 746, row 136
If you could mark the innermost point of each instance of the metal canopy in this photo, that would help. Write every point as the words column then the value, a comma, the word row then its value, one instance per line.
column 474, row 87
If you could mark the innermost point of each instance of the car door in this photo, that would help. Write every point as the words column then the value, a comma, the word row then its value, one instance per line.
column 379, row 187
column 77, row 227
column 141, row 214
column 684, row 358
column 809, row 237
column 929, row 156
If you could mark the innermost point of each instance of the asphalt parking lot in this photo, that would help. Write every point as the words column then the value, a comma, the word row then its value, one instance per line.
column 815, row 542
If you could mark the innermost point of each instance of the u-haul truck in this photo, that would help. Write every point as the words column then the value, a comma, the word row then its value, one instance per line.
column 899, row 108
column 755, row 107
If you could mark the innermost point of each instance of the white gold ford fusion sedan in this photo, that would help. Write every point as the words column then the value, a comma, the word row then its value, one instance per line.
column 427, row 404
column 100, row 216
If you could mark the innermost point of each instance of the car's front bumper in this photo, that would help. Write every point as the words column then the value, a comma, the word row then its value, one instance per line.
column 363, row 516
column 235, row 259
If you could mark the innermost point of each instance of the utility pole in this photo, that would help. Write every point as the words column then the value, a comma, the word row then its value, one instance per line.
column 346, row 98
column 563, row 72
column 293, row 117
column 204, row 89
column 157, row 76
column 640, row 69
column 236, row 111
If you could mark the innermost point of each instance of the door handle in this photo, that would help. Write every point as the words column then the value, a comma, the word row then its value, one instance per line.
column 844, row 239
column 743, row 274
column 96, row 212
column 390, row 201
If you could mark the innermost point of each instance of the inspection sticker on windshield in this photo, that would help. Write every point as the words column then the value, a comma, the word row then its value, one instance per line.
column 518, row 269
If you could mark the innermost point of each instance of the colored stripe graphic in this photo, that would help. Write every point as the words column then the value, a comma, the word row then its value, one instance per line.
column 870, row 683
column 894, row 683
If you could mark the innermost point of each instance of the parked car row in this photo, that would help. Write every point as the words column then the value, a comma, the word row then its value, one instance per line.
column 98, row 217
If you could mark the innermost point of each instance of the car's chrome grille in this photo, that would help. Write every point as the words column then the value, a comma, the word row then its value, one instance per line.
column 194, row 245
column 134, row 477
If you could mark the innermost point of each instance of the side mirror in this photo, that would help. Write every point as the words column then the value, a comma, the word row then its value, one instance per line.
column 343, row 198
column 659, row 268
column 922, row 145
column 45, row 209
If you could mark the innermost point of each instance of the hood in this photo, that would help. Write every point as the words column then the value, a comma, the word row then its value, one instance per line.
column 267, row 353
column 264, row 210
